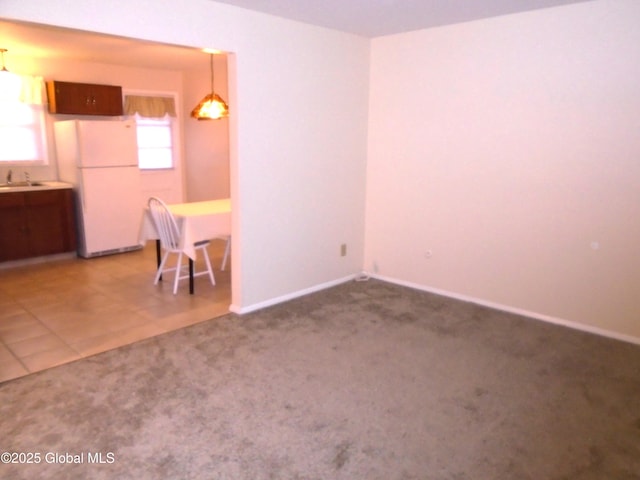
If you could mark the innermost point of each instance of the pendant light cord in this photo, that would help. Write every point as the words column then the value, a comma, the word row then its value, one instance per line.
column 211, row 73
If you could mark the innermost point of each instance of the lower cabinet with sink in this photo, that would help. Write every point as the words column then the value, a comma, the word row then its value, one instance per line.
column 36, row 222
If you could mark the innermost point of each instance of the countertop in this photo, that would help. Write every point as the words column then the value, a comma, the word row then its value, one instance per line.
column 37, row 186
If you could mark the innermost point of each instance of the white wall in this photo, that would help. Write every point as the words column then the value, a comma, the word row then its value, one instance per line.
column 507, row 147
column 297, row 132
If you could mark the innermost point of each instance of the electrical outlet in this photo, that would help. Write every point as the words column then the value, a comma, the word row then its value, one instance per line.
column 343, row 250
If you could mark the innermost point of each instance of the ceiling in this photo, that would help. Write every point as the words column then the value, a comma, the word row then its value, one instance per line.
column 38, row 41
column 374, row 18
column 369, row 18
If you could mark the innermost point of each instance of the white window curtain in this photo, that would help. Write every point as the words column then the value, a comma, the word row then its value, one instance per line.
column 16, row 89
column 32, row 90
column 149, row 107
column 22, row 122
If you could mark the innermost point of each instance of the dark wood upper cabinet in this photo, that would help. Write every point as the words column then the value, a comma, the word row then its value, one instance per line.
column 84, row 98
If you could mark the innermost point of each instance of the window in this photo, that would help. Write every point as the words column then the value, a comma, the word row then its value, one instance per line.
column 155, row 145
column 22, row 133
column 155, row 125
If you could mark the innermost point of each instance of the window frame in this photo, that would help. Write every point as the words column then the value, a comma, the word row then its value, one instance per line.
column 172, row 147
column 175, row 125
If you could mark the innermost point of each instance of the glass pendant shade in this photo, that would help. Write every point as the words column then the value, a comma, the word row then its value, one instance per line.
column 211, row 107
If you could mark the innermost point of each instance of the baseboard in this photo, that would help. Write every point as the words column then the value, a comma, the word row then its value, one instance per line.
column 38, row 260
column 518, row 311
column 290, row 296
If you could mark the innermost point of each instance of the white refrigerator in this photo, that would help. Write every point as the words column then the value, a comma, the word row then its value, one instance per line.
column 100, row 158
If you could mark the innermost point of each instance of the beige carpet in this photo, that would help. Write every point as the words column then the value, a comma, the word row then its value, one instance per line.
column 366, row 380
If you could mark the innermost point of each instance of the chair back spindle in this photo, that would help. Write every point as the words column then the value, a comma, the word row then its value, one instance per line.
column 165, row 223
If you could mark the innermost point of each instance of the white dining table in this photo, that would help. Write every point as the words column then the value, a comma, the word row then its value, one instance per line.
column 197, row 221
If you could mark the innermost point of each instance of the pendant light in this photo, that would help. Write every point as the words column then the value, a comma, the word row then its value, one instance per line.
column 211, row 107
column 10, row 83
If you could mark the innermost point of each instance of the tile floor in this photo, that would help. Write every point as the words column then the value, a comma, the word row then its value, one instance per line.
column 60, row 311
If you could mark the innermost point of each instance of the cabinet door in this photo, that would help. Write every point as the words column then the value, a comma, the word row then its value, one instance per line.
column 13, row 227
column 84, row 98
column 106, row 100
column 48, row 222
column 65, row 97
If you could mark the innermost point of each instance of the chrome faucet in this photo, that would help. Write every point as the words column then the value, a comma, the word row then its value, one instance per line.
column 9, row 174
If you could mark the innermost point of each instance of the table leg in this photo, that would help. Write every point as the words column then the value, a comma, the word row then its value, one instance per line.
column 158, row 255
column 190, row 276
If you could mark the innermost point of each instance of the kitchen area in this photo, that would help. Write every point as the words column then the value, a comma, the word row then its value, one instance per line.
column 74, row 278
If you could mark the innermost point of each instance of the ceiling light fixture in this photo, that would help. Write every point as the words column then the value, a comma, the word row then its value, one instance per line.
column 211, row 107
column 10, row 83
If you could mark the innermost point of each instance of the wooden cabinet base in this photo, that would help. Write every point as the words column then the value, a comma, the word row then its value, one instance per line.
column 36, row 224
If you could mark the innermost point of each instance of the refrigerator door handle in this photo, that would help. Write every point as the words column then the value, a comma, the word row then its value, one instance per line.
column 83, row 198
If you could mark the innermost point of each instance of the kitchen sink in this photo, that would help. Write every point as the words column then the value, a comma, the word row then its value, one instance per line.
column 21, row 184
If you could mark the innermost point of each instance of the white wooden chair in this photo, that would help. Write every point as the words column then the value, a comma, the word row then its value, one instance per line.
column 169, row 234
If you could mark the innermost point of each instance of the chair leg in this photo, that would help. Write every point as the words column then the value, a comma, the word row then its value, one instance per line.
column 177, row 277
column 178, row 269
column 226, row 254
column 209, row 269
column 165, row 257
